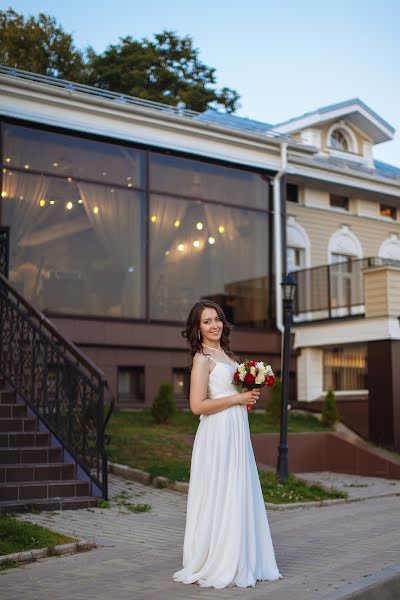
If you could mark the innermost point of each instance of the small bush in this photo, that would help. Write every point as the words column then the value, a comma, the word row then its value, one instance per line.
column 273, row 407
column 164, row 405
column 330, row 413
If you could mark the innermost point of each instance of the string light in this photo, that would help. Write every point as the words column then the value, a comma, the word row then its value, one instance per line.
column 21, row 197
column 104, row 173
column 196, row 243
column 8, row 160
column 221, row 229
column 26, row 166
column 211, row 240
column 52, row 201
column 166, row 252
column 4, row 194
column 80, row 201
column 153, row 218
column 177, row 223
column 199, row 226
column 69, row 179
column 69, row 205
column 181, row 247
column 42, row 202
column 129, row 185
column 55, row 164
column 96, row 210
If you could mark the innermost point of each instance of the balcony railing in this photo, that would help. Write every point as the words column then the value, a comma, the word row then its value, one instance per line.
column 333, row 291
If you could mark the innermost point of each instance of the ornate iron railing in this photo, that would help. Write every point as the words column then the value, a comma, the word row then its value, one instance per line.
column 4, row 249
column 333, row 291
column 61, row 385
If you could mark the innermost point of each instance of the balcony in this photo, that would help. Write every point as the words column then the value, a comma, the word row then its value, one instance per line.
column 333, row 291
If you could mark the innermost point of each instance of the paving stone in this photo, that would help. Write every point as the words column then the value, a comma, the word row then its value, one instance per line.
column 320, row 551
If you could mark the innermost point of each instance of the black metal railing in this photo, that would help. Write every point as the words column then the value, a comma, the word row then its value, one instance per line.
column 4, row 249
column 335, row 290
column 61, row 385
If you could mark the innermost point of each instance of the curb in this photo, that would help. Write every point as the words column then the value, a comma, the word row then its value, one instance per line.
column 62, row 549
column 160, row 482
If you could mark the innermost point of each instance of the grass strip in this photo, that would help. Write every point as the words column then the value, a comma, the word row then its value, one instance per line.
column 18, row 536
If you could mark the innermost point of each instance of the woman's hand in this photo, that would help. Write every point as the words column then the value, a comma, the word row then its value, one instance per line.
column 250, row 397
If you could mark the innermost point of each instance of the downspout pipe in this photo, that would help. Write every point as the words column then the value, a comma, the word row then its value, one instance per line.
column 279, row 239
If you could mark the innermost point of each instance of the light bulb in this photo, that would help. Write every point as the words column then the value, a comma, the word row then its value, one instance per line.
column 199, row 226
column 211, row 240
column 55, row 164
column 96, row 210
column 181, row 247
column 166, row 252
column 26, row 166
column 153, row 218
column 8, row 160
column 4, row 194
column 42, row 202
column 221, row 229
column 52, row 201
column 80, row 201
column 177, row 223
column 69, row 205
column 196, row 243
column 69, row 179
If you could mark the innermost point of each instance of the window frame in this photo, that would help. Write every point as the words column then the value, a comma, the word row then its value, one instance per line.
column 132, row 396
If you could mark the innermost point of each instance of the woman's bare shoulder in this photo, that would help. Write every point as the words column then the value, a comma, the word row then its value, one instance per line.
column 200, row 360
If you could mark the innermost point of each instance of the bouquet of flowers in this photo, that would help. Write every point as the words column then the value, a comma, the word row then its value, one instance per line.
column 251, row 374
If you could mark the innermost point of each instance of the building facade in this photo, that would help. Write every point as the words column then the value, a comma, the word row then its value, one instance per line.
column 123, row 213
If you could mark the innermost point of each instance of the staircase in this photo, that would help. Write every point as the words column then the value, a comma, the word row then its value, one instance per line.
column 33, row 474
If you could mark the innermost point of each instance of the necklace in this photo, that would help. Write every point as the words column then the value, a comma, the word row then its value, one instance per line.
column 216, row 349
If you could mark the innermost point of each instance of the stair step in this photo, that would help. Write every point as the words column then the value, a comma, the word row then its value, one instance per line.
column 12, row 411
column 43, row 489
column 18, row 424
column 7, row 397
column 67, row 503
column 18, row 438
column 37, row 473
column 30, row 455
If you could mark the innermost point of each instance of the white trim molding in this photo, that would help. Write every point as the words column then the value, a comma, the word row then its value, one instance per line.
column 343, row 241
column 297, row 237
column 390, row 248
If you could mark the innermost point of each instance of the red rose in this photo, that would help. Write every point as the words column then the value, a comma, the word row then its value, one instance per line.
column 236, row 376
column 270, row 380
column 249, row 379
column 251, row 364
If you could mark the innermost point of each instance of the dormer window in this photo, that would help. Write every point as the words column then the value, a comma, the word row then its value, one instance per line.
column 338, row 140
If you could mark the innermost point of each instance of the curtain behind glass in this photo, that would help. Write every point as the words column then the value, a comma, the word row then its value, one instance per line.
column 117, row 219
column 185, row 266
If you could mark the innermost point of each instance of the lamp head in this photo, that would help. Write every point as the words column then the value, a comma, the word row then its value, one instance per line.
column 289, row 285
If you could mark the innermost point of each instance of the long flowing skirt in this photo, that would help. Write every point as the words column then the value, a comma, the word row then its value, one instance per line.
column 227, row 538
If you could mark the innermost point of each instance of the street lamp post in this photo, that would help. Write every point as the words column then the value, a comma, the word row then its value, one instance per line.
column 288, row 287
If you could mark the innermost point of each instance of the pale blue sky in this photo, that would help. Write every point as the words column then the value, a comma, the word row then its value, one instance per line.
column 284, row 57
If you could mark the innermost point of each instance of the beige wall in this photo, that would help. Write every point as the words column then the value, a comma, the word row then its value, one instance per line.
column 320, row 222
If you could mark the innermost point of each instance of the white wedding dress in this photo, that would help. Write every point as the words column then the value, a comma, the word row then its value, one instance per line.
column 227, row 538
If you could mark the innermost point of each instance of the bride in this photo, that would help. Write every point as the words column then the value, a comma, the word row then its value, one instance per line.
column 227, row 539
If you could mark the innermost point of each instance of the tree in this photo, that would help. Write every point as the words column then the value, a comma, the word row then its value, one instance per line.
column 164, row 404
column 166, row 69
column 39, row 45
column 330, row 413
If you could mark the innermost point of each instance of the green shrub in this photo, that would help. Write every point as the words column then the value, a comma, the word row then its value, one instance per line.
column 273, row 407
column 164, row 405
column 330, row 413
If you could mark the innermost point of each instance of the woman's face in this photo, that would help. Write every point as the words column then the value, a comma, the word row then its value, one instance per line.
column 211, row 326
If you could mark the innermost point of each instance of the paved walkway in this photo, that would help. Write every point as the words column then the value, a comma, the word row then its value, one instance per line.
column 324, row 553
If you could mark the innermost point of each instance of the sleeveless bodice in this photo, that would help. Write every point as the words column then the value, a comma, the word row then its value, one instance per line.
column 220, row 381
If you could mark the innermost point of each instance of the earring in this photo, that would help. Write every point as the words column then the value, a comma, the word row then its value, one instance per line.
column 198, row 335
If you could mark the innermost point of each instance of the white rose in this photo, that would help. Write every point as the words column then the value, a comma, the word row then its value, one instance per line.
column 260, row 377
column 242, row 375
column 260, row 366
column 241, row 368
column 269, row 370
column 253, row 371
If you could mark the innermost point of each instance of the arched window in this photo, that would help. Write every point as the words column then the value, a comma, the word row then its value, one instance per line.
column 298, row 247
column 390, row 248
column 338, row 140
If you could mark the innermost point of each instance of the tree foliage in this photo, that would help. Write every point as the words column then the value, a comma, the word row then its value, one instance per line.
column 40, row 45
column 330, row 413
column 164, row 404
column 165, row 69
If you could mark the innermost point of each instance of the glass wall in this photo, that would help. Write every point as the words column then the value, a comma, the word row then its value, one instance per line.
column 77, row 230
column 86, row 222
column 345, row 367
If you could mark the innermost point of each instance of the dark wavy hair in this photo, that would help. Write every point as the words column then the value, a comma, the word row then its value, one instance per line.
column 191, row 333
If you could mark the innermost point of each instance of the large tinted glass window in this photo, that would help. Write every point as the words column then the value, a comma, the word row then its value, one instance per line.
column 203, row 250
column 196, row 179
column 74, row 157
column 76, row 247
